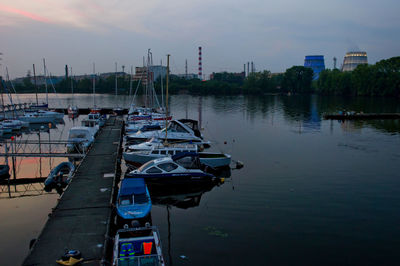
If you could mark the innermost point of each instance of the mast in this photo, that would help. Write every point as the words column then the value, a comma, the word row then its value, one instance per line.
column 34, row 78
column 94, row 86
column 130, row 82
column 116, row 82
column 45, row 81
column 9, row 93
column 72, row 87
column 162, row 91
column 2, row 99
column 166, row 99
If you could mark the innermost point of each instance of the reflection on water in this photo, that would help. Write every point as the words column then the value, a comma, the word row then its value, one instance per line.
column 180, row 196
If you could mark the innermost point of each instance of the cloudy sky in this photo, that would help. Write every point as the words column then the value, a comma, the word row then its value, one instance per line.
column 274, row 34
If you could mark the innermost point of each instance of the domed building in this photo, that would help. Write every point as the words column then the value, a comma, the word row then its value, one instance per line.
column 353, row 59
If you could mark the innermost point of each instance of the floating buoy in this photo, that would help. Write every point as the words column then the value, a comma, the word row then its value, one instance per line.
column 239, row 164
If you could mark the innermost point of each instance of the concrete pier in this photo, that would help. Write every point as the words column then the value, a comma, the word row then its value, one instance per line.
column 81, row 218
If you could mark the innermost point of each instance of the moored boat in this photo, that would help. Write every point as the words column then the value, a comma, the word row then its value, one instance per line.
column 59, row 177
column 183, row 130
column 80, row 139
column 138, row 246
column 181, row 168
column 133, row 202
column 153, row 151
column 4, row 171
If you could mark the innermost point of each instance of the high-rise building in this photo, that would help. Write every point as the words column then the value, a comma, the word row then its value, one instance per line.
column 353, row 59
column 316, row 63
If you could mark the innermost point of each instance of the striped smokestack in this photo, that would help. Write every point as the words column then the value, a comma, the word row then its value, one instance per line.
column 200, row 67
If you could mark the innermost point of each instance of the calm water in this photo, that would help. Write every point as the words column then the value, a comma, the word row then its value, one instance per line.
column 312, row 192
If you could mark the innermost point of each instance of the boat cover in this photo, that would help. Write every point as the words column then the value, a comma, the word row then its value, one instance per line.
column 184, row 154
column 132, row 185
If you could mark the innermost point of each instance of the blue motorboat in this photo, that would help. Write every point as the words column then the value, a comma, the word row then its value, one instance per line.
column 133, row 203
column 59, row 177
column 179, row 168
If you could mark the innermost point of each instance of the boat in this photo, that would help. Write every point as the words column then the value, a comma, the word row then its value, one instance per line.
column 14, row 124
column 154, row 150
column 41, row 116
column 92, row 124
column 4, row 171
column 133, row 202
column 152, row 116
column 80, row 139
column 40, row 113
column 183, row 130
column 59, row 177
column 138, row 246
column 95, row 115
column 177, row 169
column 73, row 111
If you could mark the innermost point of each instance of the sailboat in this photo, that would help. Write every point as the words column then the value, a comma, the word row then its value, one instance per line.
column 117, row 110
column 40, row 115
column 95, row 112
column 151, row 116
column 73, row 110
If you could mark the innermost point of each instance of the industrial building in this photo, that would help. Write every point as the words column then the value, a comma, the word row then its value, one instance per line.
column 154, row 73
column 316, row 63
column 353, row 59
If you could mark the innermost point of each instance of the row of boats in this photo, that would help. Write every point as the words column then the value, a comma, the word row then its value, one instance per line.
column 33, row 115
column 163, row 153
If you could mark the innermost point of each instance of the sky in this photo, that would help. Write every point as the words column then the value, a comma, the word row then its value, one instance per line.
column 275, row 35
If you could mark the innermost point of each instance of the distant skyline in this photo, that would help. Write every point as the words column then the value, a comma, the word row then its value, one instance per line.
column 275, row 35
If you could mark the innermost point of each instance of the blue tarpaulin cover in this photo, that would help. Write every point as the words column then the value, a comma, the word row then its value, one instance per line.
column 131, row 186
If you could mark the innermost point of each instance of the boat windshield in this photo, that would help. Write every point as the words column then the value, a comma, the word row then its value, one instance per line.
column 140, row 198
column 145, row 166
column 125, row 200
column 174, row 127
column 77, row 135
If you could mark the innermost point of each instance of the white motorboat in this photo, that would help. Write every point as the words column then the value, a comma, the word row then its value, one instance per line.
column 97, row 117
column 41, row 116
column 92, row 125
column 177, row 169
column 145, row 152
column 183, row 130
column 80, row 139
column 14, row 124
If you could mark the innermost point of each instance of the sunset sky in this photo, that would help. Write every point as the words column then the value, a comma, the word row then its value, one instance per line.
column 275, row 35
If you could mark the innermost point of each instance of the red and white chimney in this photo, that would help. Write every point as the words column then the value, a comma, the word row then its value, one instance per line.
column 200, row 66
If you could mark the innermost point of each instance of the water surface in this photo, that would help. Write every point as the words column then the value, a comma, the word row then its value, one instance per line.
column 312, row 191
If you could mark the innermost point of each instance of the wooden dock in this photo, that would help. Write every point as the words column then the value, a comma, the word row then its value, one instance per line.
column 362, row 116
column 81, row 218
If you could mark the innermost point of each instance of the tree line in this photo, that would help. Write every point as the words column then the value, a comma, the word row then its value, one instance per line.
column 380, row 79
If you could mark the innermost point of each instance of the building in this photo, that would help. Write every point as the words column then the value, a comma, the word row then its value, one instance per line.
column 316, row 63
column 188, row 76
column 154, row 73
column 353, row 59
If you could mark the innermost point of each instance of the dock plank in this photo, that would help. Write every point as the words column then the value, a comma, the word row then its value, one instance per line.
column 80, row 219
